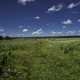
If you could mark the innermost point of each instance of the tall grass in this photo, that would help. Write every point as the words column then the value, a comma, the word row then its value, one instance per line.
column 40, row 59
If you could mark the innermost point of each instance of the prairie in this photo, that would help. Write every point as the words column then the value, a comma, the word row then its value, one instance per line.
column 40, row 59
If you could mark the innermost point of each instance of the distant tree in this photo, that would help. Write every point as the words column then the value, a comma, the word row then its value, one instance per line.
column 7, row 37
column 1, row 37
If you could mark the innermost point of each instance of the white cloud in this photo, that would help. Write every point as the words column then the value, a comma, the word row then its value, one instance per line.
column 2, row 30
column 53, row 32
column 37, row 17
column 68, row 21
column 71, row 32
column 25, row 30
column 38, row 32
column 23, row 2
column 73, row 5
column 56, row 33
column 78, row 20
column 55, row 8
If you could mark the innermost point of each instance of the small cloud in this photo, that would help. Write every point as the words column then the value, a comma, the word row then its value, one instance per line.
column 78, row 20
column 25, row 30
column 37, row 17
column 2, row 30
column 71, row 32
column 56, row 33
column 38, row 32
column 68, row 21
column 23, row 2
column 53, row 32
column 73, row 5
column 55, row 8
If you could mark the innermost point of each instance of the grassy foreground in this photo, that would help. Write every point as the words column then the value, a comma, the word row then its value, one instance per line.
column 40, row 59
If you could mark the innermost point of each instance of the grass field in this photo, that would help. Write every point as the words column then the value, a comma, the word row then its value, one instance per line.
column 40, row 59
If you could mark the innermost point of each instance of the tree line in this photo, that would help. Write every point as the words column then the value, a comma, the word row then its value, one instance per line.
column 6, row 37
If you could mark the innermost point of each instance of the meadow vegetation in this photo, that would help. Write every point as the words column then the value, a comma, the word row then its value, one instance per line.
column 40, row 59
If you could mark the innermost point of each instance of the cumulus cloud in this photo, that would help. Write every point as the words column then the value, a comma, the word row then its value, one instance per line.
column 66, row 22
column 2, row 30
column 38, row 32
column 23, row 2
column 25, row 30
column 78, row 20
column 53, row 32
column 60, row 33
column 71, row 32
column 55, row 8
column 73, row 5
column 37, row 17
column 56, row 33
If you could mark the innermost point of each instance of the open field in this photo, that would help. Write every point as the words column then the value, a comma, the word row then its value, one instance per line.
column 40, row 59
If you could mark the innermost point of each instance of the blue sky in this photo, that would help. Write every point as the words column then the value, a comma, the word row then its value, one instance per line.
column 39, row 17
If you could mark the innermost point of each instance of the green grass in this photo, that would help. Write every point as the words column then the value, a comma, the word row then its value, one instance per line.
column 40, row 59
